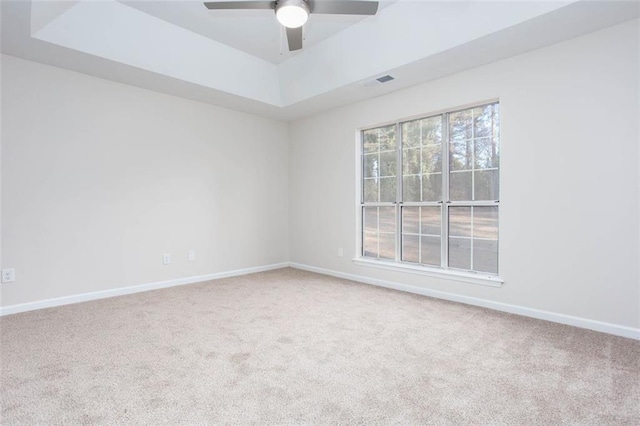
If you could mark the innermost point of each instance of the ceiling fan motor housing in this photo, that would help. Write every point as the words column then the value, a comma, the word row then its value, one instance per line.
column 292, row 13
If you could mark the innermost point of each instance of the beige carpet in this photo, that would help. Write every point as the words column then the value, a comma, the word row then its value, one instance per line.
column 292, row 347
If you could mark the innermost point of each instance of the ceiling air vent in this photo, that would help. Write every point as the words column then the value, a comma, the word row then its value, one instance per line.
column 384, row 78
column 377, row 81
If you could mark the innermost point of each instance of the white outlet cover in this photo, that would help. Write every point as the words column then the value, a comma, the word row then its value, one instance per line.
column 166, row 259
column 191, row 255
column 8, row 275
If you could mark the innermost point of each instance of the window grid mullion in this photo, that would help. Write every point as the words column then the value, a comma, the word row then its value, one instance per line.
column 444, row 221
column 381, row 204
column 421, row 166
column 422, row 204
column 420, row 235
column 362, row 170
column 362, row 173
column 362, row 228
column 378, row 180
column 473, row 180
column 473, row 203
column 471, row 240
column 378, row 231
column 399, row 192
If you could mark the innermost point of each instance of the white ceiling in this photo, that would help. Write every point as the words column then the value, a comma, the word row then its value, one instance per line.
column 233, row 59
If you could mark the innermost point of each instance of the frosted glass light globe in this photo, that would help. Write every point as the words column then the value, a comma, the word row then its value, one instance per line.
column 293, row 14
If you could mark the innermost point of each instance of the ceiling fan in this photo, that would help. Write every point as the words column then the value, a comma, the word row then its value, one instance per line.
column 294, row 13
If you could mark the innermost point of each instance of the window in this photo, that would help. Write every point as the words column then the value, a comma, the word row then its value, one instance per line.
column 430, row 191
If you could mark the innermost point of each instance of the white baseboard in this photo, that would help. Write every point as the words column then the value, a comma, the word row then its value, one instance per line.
column 618, row 330
column 84, row 297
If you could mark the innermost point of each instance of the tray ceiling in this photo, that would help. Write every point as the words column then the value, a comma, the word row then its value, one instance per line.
column 237, row 59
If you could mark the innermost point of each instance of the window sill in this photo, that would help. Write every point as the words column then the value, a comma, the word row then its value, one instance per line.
column 468, row 277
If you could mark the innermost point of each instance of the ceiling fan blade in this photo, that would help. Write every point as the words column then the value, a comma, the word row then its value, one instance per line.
column 345, row 7
column 240, row 4
column 294, row 37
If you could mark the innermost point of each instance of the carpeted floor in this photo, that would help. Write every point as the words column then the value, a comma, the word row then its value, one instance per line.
column 293, row 347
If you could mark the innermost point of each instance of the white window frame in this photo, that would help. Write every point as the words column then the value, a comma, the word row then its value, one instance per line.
column 397, row 264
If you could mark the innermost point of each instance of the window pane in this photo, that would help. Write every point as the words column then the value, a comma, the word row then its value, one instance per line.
column 487, row 153
column 370, row 167
column 432, row 187
column 388, row 163
column 411, row 220
column 427, row 131
column 370, row 244
column 388, row 189
column 460, row 153
column 370, row 219
column 411, row 161
column 485, row 185
column 474, row 145
column 387, row 138
column 460, row 125
column 426, row 221
column 485, row 222
column 379, row 225
column 432, row 130
column 485, row 255
column 485, row 242
column 380, row 139
column 484, row 231
column 482, row 121
column 430, row 250
column 460, row 253
column 370, row 141
column 460, row 186
column 387, row 219
column 460, row 221
column 422, row 161
column 410, row 248
column 370, row 190
column 387, row 246
column 431, row 159
column 431, row 218
column 411, row 134
column 411, row 188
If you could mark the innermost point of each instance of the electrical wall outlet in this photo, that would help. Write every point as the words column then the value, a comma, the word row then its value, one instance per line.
column 191, row 255
column 166, row 259
column 8, row 275
column 340, row 252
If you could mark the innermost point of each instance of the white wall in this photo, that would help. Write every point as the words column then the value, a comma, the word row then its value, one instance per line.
column 100, row 179
column 569, row 179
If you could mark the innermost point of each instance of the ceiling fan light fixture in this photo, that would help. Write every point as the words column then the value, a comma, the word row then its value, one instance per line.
column 292, row 13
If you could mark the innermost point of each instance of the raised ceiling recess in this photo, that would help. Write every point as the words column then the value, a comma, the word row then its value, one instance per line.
column 241, row 58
